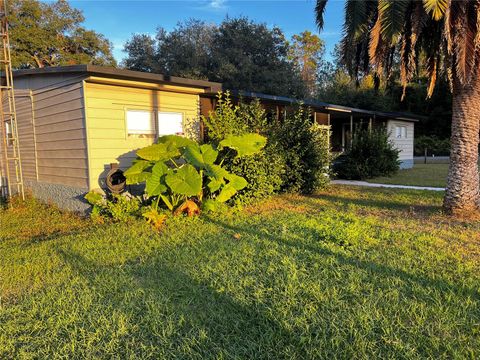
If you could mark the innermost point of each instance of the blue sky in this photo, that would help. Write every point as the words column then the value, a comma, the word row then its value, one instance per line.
column 118, row 20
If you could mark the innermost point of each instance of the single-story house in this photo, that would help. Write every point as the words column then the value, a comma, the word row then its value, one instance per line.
column 74, row 121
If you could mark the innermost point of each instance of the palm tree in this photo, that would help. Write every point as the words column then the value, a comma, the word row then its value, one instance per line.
column 443, row 36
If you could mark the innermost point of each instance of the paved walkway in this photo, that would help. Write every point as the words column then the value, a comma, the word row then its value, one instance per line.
column 364, row 183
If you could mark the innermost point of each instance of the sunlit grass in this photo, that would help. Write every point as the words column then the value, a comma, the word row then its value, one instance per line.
column 349, row 272
column 432, row 175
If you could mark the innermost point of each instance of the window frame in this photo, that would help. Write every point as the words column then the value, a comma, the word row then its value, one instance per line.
column 158, row 114
column 150, row 134
column 400, row 131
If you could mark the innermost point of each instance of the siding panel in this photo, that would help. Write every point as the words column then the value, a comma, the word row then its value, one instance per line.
column 60, row 132
column 105, row 108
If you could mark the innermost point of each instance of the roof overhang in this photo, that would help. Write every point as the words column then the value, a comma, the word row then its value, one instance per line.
column 323, row 106
column 119, row 74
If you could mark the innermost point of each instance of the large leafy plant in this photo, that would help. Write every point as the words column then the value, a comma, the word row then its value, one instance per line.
column 183, row 174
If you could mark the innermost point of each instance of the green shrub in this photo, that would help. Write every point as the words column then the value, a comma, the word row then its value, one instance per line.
column 371, row 154
column 305, row 150
column 225, row 120
column 118, row 208
column 264, row 170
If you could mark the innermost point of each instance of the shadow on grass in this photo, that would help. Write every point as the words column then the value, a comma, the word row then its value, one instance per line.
column 372, row 202
column 53, row 235
column 189, row 316
column 374, row 268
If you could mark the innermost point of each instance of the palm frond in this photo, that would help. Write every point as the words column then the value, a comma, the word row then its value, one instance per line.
column 415, row 20
column 436, row 7
column 319, row 12
column 392, row 18
column 432, row 74
column 356, row 19
column 477, row 37
column 464, row 40
column 376, row 50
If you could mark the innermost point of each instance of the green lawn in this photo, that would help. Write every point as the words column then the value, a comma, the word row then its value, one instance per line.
column 347, row 273
column 420, row 175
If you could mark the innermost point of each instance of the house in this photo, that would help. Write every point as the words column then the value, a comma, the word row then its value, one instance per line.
column 75, row 121
column 343, row 120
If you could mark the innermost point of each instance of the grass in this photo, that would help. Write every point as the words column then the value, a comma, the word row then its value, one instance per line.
column 347, row 273
column 434, row 175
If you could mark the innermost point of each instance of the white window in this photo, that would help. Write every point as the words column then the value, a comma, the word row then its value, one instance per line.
column 140, row 122
column 401, row 132
column 170, row 123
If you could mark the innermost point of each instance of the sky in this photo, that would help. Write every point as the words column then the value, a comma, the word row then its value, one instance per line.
column 119, row 19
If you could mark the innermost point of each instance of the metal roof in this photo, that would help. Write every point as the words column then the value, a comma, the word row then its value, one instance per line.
column 111, row 72
column 328, row 106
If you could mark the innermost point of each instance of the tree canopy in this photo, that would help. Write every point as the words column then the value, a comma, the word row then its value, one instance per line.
column 51, row 34
column 239, row 53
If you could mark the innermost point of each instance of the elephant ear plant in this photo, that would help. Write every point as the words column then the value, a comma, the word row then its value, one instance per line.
column 185, row 176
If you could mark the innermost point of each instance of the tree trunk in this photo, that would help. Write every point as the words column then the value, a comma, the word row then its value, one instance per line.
column 462, row 195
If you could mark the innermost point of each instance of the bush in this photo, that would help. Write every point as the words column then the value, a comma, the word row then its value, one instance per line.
column 370, row 155
column 305, row 150
column 263, row 171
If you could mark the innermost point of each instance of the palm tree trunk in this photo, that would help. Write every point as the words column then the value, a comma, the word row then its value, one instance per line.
column 463, row 192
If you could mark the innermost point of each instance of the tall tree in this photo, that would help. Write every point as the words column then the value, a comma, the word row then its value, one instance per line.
column 306, row 51
column 50, row 34
column 239, row 53
column 447, row 34
column 142, row 53
column 250, row 56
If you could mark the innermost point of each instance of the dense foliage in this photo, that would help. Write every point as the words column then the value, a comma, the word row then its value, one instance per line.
column 241, row 54
column 183, row 174
column 50, row 34
column 179, row 175
column 295, row 159
column 263, row 171
column 371, row 154
column 305, row 149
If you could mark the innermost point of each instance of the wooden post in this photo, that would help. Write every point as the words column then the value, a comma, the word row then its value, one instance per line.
column 351, row 130
column 370, row 125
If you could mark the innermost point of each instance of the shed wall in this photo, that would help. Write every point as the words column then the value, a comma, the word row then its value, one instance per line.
column 405, row 145
column 108, row 140
column 61, row 135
